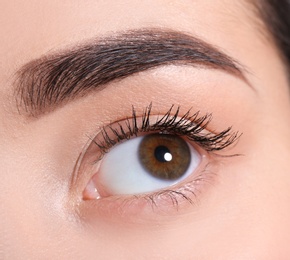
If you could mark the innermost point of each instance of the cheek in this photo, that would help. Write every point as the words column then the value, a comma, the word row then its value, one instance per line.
column 262, row 188
column 32, row 212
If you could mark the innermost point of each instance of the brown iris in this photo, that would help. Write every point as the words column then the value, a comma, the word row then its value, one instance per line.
column 164, row 156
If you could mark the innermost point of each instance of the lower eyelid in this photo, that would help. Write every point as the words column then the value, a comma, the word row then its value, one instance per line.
column 185, row 196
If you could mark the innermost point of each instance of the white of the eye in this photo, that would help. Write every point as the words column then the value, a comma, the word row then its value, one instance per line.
column 122, row 173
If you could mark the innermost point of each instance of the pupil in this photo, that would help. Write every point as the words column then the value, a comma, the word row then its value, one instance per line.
column 162, row 154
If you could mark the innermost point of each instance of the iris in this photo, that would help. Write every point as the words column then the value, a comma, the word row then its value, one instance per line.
column 164, row 156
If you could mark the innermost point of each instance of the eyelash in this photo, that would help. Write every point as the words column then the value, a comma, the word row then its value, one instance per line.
column 190, row 126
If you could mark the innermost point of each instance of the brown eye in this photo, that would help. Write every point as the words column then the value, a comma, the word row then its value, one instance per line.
column 145, row 164
column 164, row 156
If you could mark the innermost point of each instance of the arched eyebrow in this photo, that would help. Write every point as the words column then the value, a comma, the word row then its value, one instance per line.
column 51, row 81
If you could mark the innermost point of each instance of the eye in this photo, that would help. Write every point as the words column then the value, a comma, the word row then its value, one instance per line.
column 145, row 164
column 151, row 158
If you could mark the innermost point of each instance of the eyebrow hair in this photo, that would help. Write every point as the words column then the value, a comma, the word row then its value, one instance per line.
column 51, row 81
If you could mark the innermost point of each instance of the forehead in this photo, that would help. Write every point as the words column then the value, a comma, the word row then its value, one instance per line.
column 49, row 24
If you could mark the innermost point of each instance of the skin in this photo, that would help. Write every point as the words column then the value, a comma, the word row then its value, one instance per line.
column 242, row 212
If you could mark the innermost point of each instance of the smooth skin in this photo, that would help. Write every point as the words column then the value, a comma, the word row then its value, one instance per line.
column 243, row 213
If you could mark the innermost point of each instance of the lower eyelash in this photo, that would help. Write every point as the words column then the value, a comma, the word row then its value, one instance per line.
column 188, row 192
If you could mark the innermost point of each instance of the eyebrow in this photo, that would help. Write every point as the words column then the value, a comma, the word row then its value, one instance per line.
column 51, row 81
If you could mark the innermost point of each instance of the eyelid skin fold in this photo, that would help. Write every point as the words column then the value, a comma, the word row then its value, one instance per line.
column 190, row 126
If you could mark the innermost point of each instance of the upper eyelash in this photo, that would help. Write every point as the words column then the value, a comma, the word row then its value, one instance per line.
column 189, row 125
